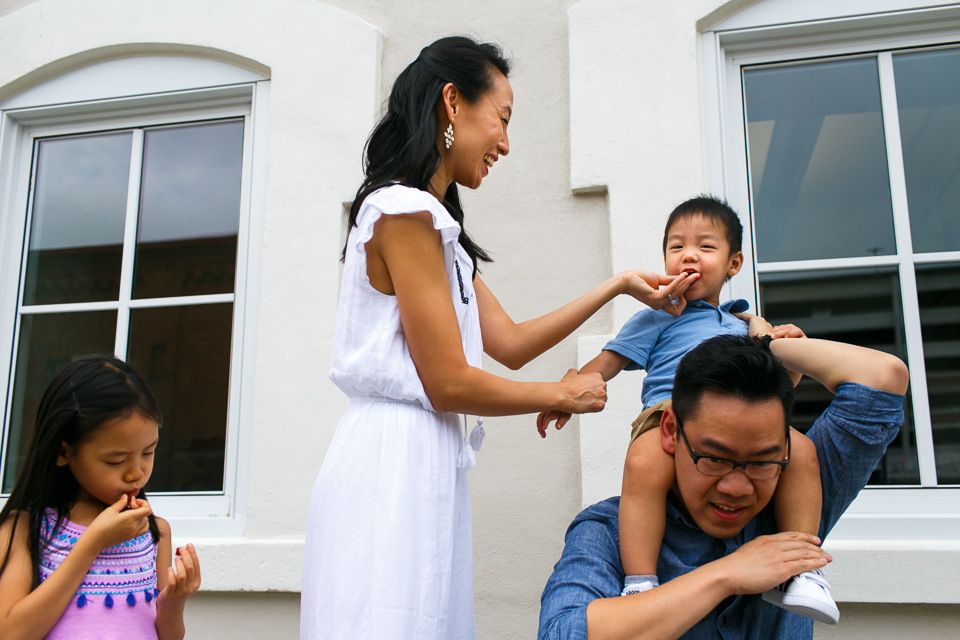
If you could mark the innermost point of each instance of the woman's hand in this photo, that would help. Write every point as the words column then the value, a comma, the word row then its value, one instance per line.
column 586, row 392
column 645, row 286
column 114, row 525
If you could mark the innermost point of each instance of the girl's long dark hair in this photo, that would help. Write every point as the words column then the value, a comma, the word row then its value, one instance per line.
column 83, row 397
column 403, row 146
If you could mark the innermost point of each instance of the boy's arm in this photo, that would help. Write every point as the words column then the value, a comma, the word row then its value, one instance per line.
column 832, row 363
column 608, row 364
column 757, row 326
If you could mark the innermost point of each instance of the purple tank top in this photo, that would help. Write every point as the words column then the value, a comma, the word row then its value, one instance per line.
column 117, row 599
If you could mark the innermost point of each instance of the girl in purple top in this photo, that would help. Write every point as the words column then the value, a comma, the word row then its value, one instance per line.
column 79, row 544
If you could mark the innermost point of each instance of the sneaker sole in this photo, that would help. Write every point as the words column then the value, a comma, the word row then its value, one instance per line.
column 807, row 607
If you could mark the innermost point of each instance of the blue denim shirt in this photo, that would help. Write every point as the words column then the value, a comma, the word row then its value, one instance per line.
column 851, row 436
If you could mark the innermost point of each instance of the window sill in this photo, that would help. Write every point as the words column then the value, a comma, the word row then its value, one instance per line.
column 895, row 571
column 247, row 564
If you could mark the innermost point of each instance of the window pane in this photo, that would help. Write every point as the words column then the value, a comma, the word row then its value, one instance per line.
column 48, row 343
column 857, row 306
column 818, row 163
column 189, row 211
column 928, row 98
column 938, row 288
column 184, row 355
column 76, row 233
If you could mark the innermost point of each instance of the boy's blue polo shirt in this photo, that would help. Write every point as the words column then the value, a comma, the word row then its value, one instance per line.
column 656, row 341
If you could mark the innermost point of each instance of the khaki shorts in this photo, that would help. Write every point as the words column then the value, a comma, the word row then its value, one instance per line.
column 649, row 419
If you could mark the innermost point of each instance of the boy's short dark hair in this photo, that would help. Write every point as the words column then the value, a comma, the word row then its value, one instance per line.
column 732, row 365
column 711, row 208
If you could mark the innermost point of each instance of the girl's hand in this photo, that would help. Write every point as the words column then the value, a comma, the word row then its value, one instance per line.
column 185, row 581
column 586, row 392
column 645, row 286
column 114, row 525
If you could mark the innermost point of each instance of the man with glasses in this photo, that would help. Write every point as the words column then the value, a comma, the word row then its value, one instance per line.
column 732, row 403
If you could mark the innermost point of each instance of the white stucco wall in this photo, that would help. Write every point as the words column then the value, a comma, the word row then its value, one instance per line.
column 624, row 131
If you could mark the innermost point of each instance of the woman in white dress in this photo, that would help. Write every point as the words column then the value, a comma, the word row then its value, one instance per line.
column 388, row 547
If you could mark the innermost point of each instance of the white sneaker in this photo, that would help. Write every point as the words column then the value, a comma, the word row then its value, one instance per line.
column 807, row 594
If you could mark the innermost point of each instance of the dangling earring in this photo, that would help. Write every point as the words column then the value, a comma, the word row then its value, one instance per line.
column 448, row 135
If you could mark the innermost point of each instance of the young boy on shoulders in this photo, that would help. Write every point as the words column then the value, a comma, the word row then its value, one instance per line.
column 703, row 237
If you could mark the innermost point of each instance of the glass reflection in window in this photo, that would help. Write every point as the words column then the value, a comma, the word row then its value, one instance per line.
column 184, row 355
column 48, row 343
column 79, row 211
column 189, row 211
column 928, row 101
column 938, row 289
column 818, row 162
column 860, row 306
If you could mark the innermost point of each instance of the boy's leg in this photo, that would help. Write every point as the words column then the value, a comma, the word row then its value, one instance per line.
column 798, row 499
column 797, row 504
column 648, row 474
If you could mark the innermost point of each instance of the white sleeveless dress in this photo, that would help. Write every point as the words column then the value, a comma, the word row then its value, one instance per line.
column 388, row 549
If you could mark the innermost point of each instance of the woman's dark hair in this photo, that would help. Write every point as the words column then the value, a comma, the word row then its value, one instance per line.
column 403, row 146
column 738, row 366
column 86, row 395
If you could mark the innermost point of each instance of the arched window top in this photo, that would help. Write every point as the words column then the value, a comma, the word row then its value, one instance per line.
column 769, row 13
column 134, row 76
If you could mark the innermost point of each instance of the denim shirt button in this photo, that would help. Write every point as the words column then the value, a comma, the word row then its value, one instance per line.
column 723, row 620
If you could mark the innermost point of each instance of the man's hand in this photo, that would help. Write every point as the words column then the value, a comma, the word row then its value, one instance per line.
column 767, row 561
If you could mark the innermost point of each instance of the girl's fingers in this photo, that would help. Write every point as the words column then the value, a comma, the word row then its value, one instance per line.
column 120, row 504
column 194, row 562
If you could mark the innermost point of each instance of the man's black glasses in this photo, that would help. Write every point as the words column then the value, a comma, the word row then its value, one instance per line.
column 714, row 466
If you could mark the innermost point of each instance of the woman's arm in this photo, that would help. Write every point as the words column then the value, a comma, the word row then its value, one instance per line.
column 408, row 249
column 175, row 587
column 513, row 345
column 608, row 364
column 26, row 614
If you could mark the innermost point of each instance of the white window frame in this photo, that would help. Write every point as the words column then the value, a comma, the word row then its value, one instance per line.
column 131, row 94
column 777, row 31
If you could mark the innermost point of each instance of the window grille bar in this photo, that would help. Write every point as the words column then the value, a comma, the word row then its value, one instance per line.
column 908, row 280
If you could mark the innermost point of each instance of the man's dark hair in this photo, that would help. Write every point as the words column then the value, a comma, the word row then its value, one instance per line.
column 711, row 208
column 738, row 366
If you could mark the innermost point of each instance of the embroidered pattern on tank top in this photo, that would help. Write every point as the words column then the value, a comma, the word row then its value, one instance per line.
column 124, row 573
